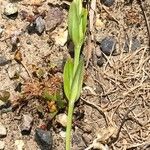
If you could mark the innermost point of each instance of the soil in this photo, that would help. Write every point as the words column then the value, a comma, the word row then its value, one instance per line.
column 114, row 108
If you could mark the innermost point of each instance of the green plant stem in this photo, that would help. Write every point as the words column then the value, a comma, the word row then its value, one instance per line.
column 76, row 58
column 69, row 125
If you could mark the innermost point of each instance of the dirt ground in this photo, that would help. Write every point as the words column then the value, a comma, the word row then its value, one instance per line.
column 113, row 111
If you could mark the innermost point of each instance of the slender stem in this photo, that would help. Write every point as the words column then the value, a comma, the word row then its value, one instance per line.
column 76, row 58
column 69, row 125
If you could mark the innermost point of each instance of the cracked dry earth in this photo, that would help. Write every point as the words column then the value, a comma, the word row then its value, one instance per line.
column 114, row 108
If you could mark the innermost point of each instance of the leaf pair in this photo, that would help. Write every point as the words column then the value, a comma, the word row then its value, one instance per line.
column 73, row 83
column 77, row 22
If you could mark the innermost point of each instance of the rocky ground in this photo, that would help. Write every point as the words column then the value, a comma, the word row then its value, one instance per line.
column 114, row 108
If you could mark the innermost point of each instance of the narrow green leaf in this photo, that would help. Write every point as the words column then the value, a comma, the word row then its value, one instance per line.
column 77, row 82
column 78, row 8
column 70, row 20
column 73, row 23
column 68, row 77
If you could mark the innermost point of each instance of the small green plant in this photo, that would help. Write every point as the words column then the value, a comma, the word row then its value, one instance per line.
column 74, row 68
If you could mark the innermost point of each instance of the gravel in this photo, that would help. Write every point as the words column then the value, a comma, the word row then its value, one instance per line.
column 3, row 131
column 108, row 45
column 135, row 44
column 10, row 9
column 19, row 144
column 2, row 145
column 27, row 124
column 108, row 3
column 4, row 61
column 43, row 138
column 39, row 24
column 13, row 70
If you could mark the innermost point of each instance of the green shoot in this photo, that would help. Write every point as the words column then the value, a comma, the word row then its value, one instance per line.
column 74, row 69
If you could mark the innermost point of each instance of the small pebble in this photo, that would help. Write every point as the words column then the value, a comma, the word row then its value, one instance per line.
column 13, row 71
column 28, row 41
column 43, row 138
column 62, row 134
column 18, row 87
column 108, row 3
column 14, row 40
column 4, row 96
column 100, row 61
column 27, row 124
column 2, row 104
column 10, row 9
column 135, row 44
column 39, row 24
column 2, row 145
column 53, row 18
column 60, row 37
column 19, row 144
column 4, row 61
column 3, row 131
column 62, row 119
column 108, row 45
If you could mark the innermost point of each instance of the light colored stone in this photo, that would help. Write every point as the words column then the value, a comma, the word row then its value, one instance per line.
column 60, row 37
column 2, row 145
column 19, row 144
column 27, row 123
column 62, row 134
column 13, row 70
column 40, row 24
column 3, row 131
column 62, row 119
column 10, row 9
column 1, row 103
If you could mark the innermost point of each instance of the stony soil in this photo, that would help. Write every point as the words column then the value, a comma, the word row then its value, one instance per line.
column 114, row 108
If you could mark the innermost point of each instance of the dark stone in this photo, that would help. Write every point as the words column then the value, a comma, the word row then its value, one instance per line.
column 100, row 61
column 5, row 105
column 108, row 3
column 135, row 44
column 18, row 87
column 4, row 61
column 13, row 16
column 36, row 26
column 31, row 28
column 44, row 139
column 108, row 45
